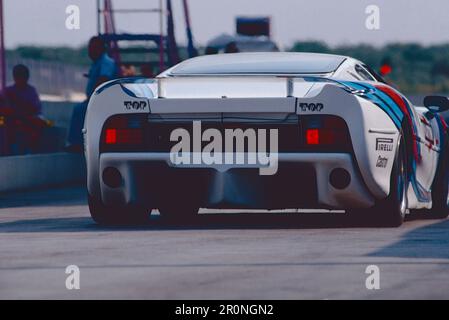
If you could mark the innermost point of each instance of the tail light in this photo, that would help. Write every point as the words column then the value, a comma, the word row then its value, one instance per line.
column 325, row 132
column 123, row 132
column 126, row 136
column 313, row 137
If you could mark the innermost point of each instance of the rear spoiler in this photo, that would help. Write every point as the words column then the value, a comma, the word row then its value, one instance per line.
column 289, row 80
column 153, row 88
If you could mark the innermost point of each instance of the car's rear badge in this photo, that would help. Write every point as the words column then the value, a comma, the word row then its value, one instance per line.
column 312, row 107
column 135, row 105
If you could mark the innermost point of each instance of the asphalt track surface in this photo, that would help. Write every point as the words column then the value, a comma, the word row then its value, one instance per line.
column 219, row 256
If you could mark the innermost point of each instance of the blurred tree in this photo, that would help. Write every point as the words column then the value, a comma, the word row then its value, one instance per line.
column 311, row 46
column 414, row 68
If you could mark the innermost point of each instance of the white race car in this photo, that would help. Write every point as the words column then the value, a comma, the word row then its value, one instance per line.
column 264, row 131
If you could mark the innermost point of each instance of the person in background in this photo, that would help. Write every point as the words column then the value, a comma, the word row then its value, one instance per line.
column 231, row 47
column 21, row 110
column 146, row 70
column 128, row 70
column 103, row 69
column 210, row 50
column 3, row 142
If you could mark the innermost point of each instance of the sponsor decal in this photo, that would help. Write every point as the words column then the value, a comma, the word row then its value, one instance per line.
column 381, row 162
column 384, row 144
column 135, row 105
column 313, row 107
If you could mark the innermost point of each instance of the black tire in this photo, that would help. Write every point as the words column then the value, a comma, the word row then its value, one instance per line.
column 116, row 216
column 440, row 188
column 390, row 212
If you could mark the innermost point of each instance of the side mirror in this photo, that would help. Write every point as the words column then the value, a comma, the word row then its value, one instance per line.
column 436, row 104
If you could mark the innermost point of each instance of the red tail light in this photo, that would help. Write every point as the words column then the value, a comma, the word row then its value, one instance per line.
column 111, row 136
column 324, row 136
column 325, row 132
column 123, row 131
column 124, row 136
column 312, row 136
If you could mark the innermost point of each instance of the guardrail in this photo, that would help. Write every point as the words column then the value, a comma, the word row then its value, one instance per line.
column 46, row 169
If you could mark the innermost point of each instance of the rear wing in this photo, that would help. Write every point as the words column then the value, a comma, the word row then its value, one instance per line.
column 310, row 101
column 255, row 85
column 227, row 94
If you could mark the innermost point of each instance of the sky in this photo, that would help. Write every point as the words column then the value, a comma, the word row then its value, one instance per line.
column 42, row 22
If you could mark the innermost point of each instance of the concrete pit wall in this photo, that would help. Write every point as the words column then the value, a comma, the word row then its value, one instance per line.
column 44, row 170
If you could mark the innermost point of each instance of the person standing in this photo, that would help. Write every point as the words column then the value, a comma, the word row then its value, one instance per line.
column 21, row 109
column 103, row 69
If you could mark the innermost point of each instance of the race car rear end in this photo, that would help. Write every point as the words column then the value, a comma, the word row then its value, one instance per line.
column 322, row 156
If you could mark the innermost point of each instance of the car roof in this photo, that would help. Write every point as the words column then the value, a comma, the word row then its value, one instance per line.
column 259, row 63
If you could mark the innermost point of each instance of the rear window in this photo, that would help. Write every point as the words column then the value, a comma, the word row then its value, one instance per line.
column 260, row 63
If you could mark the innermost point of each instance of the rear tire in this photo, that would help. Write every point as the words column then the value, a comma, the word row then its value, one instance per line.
column 116, row 216
column 440, row 189
column 390, row 212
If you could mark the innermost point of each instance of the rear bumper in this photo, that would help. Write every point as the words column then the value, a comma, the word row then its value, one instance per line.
column 302, row 181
